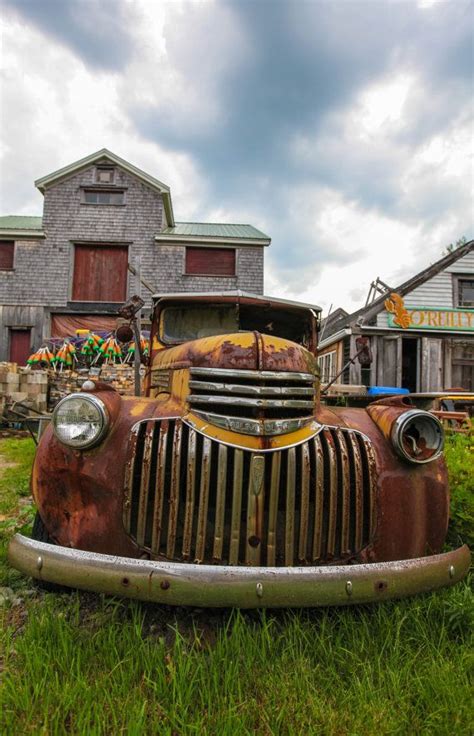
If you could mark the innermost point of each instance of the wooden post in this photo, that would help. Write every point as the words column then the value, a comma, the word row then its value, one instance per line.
column 137, row 325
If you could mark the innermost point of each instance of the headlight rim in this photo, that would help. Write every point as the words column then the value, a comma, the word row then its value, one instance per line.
column 98, row 404
column 399, row 426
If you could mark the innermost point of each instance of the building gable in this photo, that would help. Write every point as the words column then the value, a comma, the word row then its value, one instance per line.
column 105, row 157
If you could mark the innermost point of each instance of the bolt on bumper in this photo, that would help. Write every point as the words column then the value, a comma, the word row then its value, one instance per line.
column 175, row 583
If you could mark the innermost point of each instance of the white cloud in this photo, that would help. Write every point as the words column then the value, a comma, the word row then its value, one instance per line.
column 56, row 110
column 364, row 244
column 185, row 52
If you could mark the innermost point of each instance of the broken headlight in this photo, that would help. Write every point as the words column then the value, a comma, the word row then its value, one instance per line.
column 418, row 436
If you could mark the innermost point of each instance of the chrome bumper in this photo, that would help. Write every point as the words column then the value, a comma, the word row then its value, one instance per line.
column 186, row 584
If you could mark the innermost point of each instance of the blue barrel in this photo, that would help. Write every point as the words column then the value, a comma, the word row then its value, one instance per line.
column 381, row 390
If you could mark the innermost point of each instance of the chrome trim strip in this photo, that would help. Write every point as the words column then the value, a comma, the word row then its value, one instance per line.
column 257, row 375
column 235, row 388
column 178, row 583
column 317, row 429
column 254, row 403
column 254, row 427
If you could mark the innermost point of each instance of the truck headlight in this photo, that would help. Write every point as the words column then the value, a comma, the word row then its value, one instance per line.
column 418, row 436
column 80, row 420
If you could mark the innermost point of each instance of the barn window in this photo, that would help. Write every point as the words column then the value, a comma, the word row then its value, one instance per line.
column 100, row 273
column 101, row 196
column 7, row 249
column 210, row 262
column 105, row 174
column 465, row 293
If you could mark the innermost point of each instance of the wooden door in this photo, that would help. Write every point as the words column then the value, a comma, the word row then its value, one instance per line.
column 20, row 346
column 100, row 273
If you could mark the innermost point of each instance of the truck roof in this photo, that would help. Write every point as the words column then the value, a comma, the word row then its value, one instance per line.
column 243, row 297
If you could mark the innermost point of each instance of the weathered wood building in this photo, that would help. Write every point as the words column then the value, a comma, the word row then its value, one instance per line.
column 70, row 268
column 421, row 333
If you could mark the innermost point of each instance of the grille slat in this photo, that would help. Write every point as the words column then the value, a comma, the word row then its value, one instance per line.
column 144, row 485
column 189, row 497
column 159, row 488
column 290, row 507
column 236, row 507
column 273, row 508
column 255, row 501
column 220, row 503
column 319, row 500
column 304, row 509
column 203, row 500
column 331, row 495
column 174, row 491
column 190, row 494
column 345, row 485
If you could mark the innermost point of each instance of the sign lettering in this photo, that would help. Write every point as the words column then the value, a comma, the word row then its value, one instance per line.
column 427, row 318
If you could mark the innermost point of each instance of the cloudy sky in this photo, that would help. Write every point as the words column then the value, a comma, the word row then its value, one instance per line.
column 342, row 128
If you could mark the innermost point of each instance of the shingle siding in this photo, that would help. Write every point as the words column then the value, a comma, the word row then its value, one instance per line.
column 43, row 267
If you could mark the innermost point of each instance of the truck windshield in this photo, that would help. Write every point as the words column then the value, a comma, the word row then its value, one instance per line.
column 190, row 322
column 181, row 324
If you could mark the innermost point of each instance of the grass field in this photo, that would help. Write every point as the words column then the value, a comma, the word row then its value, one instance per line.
column 84, row 664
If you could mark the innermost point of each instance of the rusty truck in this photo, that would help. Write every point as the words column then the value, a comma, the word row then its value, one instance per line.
column 229, row 483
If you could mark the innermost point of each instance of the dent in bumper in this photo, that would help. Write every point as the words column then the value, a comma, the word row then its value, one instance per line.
column 243, row 587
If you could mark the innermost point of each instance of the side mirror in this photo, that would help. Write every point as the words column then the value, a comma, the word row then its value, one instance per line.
column 364, row 353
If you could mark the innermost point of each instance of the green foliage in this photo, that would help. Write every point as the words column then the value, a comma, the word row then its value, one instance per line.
column 459, row 455
column 454, row 246
column 15, row 467
column 87, row 664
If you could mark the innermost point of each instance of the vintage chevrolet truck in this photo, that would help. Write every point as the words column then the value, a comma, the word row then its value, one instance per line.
column 229, row 483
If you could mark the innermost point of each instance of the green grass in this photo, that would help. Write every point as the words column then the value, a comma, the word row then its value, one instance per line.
column 87, row 664
column 460, row 459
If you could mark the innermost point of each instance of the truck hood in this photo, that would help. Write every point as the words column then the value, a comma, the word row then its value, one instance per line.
column 240, row 350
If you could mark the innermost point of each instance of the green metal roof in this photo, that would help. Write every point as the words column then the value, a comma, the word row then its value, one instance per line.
column 20, row 222
column 221, row 232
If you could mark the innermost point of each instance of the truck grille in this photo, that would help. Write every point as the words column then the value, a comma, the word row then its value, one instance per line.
column 188, row 497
